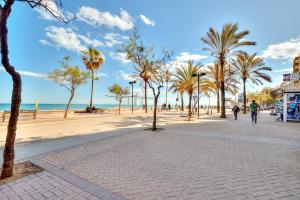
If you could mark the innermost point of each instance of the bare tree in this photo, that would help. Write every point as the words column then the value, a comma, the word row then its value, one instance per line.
column 157, row 82
column 70, row 77
column 5, row 10
column 144, row 56
column 119, row 93
column 139, row 55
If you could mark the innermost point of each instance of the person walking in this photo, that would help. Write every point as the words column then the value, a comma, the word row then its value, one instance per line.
column 254, row 107
column 235, row 111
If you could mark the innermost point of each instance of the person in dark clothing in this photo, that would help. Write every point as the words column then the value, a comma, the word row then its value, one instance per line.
column 254, row 108
column 169, row 107
column 235, row 111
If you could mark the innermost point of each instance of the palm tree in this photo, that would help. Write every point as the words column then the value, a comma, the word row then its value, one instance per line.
column 167, row 80
column 92, row 59
column 184, row 75
column 251, row 67
column 231, row 80
column 179, row 88
column 221, row 45
column 213, row 73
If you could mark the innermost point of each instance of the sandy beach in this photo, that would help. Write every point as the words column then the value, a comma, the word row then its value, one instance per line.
column 52, row 125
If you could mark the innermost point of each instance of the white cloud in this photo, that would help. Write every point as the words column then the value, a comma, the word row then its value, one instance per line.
column 44, row 42
column 288, row 69
column 120, row 57
column 100, row 74
column 90, row 42
column 54, row 8
column 28, row 73
column 147, row 21
column 113, row 39
column 182, row 59
column 32, row 74
column 185, row 56
column 125, row 76
column 284, row 50
column 68, row 39
column 97, row 18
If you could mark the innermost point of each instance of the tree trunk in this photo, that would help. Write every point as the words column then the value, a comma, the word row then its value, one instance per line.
column 218, row 100
column 70, row 100
column 222, row 88
column 190, row 107
column 8, row 152
column 120, row 107
column 167, row 94
column 146, row 106
column 154, row 113
column 182, row 103
column 244, row 96
column 92, row 90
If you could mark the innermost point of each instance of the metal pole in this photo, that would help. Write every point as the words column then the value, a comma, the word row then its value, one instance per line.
column 198, row 95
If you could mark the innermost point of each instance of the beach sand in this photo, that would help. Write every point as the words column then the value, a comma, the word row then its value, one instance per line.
column 52, row 125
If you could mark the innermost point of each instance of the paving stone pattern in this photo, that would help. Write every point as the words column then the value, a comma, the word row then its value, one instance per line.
column 212, row 160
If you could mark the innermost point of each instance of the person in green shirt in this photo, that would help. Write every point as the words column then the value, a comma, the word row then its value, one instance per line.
column 254, row 108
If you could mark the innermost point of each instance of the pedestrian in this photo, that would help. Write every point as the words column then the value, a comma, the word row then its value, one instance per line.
column 169, row 107
column 235, row 110
column 254, row 107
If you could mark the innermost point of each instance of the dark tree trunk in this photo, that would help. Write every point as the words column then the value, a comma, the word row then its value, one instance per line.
column 166, row 93
column 146, row 105
column 218, row 100
column 156, row 96
column 120, row 107
column 92, row 90
column 70, row 100
column 182, row 103
column 8, row 152
column 244, row 97
column 190, row 107
column 222, row 88
column 154, row 113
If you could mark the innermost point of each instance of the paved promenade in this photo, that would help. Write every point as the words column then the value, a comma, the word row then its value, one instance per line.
column 211, row 159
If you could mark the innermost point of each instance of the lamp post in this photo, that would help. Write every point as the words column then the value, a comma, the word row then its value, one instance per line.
column 198, row 75
column 131, row 83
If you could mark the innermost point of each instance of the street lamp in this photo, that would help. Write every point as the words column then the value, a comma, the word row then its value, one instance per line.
column 131, row 83
column 198, row 75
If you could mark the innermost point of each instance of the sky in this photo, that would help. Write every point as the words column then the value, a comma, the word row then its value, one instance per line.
column 37, row 41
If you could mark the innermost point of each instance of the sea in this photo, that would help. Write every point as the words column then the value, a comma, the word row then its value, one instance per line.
column 6, row 106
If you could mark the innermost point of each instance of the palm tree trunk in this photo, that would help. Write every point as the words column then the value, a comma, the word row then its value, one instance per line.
column 8, row 152
column 244, row 96
column 190, row 107
column 222, row 88
column 146, row 106
column 182, row 103
column 92, row 90
column 70, row 100
column 218, row 100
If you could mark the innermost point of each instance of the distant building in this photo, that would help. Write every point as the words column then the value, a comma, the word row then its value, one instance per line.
column 288, row 94
column 296, row 67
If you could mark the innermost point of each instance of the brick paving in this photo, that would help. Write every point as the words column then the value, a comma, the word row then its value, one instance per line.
column 213, row 159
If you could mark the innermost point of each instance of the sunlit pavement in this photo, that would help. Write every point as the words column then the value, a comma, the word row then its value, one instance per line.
column 211, row 159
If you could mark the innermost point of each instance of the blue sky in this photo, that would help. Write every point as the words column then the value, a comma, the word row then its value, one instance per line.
column 37, row 42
